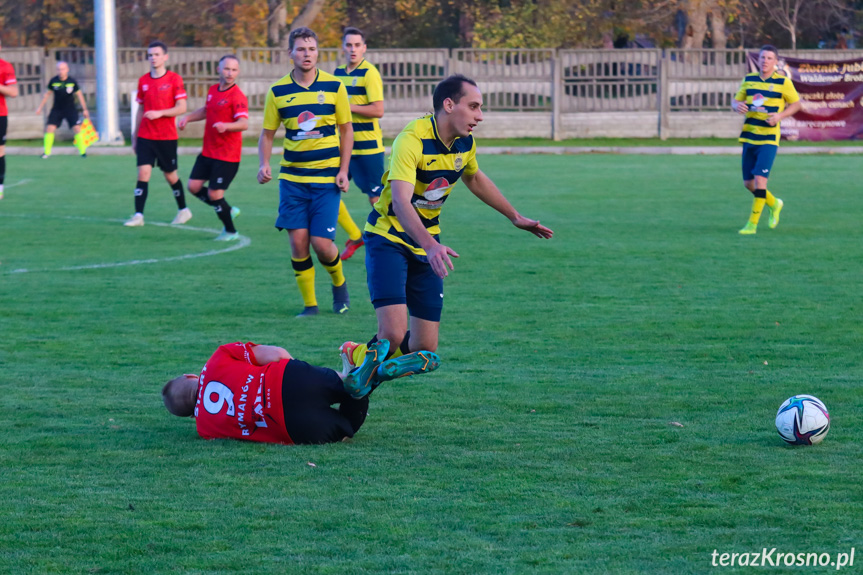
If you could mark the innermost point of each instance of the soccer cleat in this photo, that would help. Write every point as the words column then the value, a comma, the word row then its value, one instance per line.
column 748, row 229
column 135, row 221
column 410, row 364
column 362, row 380
column 308, row 311
column 351, row 246
column 183, row 216
column 773, row 221
column 346, row 351
column 235, row 211
column 1, row 191
column 84, row 155
column 46, row 156
column 227, row 236
column 341, row 299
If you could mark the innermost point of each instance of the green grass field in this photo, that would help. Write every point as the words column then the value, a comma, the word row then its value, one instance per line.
column 543, row 444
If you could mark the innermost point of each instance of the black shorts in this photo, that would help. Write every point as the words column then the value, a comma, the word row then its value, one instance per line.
column 4, row 123
column 161, row 153
column 308, row 392
column 218, row 173
column 56, row 117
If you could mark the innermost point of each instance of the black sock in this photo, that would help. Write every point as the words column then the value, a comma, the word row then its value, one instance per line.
column 759, row 193
column 204, row 195
column 223, row 210
column 2, row 169
column 405, row 347
column 140, row 196
column 179, row 195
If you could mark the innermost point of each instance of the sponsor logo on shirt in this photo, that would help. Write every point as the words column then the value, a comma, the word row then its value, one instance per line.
column 307, row 122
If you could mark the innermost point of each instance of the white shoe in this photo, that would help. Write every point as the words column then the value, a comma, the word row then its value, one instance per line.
column 135, row 221
column 227, row 236
column 183, row 216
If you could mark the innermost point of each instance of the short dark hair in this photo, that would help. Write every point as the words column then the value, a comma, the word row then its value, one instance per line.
column 228, row 57
column 179, row 396
column 158, row 44
column 350, row 30
column 769, row 48
column 301, row 33
column 452, row 88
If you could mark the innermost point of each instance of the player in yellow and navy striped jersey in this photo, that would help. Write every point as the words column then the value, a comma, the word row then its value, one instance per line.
column 762, row 98
column 313, row 106
column 366, row 92
column 405, row 261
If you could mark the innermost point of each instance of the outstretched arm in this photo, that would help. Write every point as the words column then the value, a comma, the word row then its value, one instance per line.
column 196, row 116
column 270, row 353
column 482, row 187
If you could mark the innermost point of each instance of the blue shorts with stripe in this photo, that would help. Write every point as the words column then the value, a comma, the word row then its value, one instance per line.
column 366, row 172
column 313, row 207
column 396, row 275
column 757, row 160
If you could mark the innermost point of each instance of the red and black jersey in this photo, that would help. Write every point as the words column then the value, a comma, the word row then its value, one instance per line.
column 239, row 399
column 226, row 107
column 159, row 94
column 7, row 78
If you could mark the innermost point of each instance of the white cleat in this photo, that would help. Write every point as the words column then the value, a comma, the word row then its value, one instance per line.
column 183, row 216
column 135, row 221
column 227, row 236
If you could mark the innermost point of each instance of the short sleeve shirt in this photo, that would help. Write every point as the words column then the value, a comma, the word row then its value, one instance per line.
column 7, row 78
column 64, row 92
column 159, row 94
column 225, row 107
column 764, row 97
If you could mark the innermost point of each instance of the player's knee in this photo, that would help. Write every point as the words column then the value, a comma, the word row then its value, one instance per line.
column 216, row 195
column 194, row 186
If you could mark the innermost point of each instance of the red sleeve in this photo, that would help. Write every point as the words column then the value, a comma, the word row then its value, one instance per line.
column 9, row 75
column 241, row 106
column 179, row 89
column 139, row 95
column 241, row 351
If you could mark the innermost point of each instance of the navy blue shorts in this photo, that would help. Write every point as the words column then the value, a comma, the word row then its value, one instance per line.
column 313, row 207
column 758, row 160
column 396, row 275
column 366, row 172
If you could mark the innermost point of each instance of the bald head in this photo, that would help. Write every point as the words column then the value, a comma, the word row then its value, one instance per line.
column 63, row 69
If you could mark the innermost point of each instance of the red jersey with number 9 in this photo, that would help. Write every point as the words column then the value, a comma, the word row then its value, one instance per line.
column 239, row 399
column 159, row 94
column 226, row 107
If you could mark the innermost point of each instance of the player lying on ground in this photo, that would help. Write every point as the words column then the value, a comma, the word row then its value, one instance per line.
column 261, row 393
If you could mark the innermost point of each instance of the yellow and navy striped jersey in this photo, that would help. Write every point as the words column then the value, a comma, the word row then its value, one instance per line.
column 420, row 158
column 764, row 97
column 364, row 86
column 311, row 117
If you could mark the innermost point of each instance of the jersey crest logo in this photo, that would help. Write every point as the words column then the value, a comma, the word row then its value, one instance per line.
column 322, row 98
column 354, row 83
column 459, row 162
column 164, row 87
column 307, row 122
column 69, row 89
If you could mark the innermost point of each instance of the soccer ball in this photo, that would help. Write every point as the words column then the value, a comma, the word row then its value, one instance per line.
column 802, row 420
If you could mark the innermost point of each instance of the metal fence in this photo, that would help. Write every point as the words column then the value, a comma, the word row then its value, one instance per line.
column 551, row 81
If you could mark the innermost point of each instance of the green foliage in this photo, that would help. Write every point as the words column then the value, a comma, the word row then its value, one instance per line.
column 542, row 445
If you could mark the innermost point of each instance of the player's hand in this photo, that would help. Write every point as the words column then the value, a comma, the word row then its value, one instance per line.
column 87, row 114
column 38, row 110
column 439, row 259
column 532, row 226
column 220, row 127
column 265, row 174
column 742, row 108
column 342, row 181
column 773, row 119
column 153, row 114
column 181, row 123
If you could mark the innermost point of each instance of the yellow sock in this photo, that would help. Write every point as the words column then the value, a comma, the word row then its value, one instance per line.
column 347, row 222
column 359, row 354
column 770, row 199
column 79, row 143
column 334, row 268
column 49, row 142
column 757, row 206
column 304, row 272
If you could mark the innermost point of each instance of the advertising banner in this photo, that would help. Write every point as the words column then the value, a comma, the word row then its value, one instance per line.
column 832, row 97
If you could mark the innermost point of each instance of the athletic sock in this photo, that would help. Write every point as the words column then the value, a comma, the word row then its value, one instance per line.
column 334, row 268
column 204, row 195
column 79, row 143
column 347, row 222
column 141, row 196
column 757, row 206
column 48, row 142
column 770, row 199
column 2, row 169
column 223, row 210
column 304, row 272
column 179, row 195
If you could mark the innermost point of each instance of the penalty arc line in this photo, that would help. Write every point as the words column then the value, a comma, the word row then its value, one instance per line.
column 240, row 244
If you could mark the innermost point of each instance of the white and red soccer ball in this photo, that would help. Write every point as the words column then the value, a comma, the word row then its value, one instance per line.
column 802, row 420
